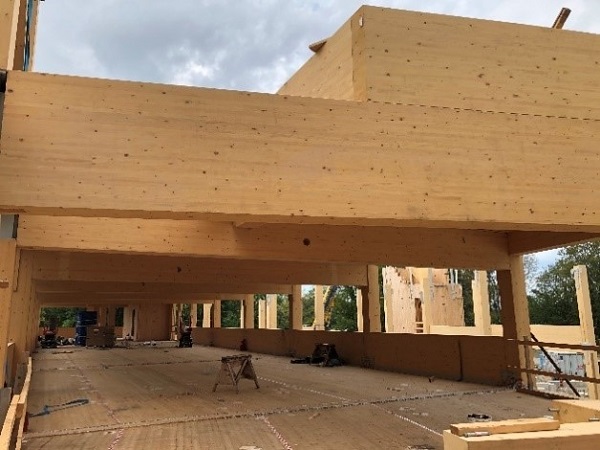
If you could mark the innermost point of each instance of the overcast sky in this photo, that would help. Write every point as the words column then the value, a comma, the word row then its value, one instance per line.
column 243, row 44
column 250, row 45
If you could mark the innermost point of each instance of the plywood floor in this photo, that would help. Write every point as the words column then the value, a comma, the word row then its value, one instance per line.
column 161, row 397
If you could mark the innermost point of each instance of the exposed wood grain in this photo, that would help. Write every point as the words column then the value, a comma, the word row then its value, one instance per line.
column 506, row 426
column 157, row 151
column 317, row 243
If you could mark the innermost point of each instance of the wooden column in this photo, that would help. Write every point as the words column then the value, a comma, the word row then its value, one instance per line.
column 174, row 321
column 481, row 303
column 111, row 313
column 249, row 311
column 319, row 323
column 9, row 17
column 515, row 311
column 206, row 314
column 271, row 311
column 8, row 254
column 371, row 311
column 194, row 315
column 22, row 301
column 586, row 324
column 359, row 309
column 427, row 301
column 295, row 305
column 216, row 314
column 262, row 313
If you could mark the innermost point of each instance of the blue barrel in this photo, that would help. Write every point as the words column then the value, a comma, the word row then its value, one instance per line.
column 85, row 318
column 80, row 340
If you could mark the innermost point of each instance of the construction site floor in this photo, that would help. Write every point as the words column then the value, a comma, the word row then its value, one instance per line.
column 161, row 398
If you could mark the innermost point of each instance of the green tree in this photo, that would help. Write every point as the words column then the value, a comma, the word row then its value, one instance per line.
column 308, row 308
column 343, row 315
column 60, row 317
column 553, row 301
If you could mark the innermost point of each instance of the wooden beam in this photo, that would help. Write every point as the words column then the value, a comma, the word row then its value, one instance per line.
column 121, row 299
column 572, row 436
column 215, row 156
column 520, row 242
column 561, row 19
column 506, row 426
column 420, row 247
column 572, row 411
column 89, row 287
column 163, row 269
column 9, row 17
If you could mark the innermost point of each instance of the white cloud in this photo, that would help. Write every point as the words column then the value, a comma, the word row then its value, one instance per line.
column 242, row 44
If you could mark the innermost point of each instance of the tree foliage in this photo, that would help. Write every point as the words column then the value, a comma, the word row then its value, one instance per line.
column 553, row 300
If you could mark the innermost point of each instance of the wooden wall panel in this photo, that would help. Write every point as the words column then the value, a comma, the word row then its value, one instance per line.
column 450, row 357
column 328, row 73
column 467, row 63
column 93, row 147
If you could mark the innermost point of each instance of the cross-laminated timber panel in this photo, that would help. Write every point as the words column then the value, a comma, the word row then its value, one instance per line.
column 94, row 147
column 432, row 59
column 79, row 266
column 310, row 243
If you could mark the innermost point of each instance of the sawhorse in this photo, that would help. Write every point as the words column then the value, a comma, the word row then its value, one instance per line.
column 233, row 368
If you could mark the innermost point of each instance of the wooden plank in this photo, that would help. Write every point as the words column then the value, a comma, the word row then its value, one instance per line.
column 215, row 155
column 432, row 59
column 164, row 269
column 572, row 411
column 505, row 426
column 9, row 15
column 572, row 436
column 420, row 247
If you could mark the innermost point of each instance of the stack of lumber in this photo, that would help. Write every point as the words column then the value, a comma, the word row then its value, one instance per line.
column 575, row 426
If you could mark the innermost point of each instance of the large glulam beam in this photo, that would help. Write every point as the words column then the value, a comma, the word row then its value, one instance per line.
column 79, row 146
column 164, row 289
column 310, row 243
column 520, row 242
column 79, row 266
column 82, row 300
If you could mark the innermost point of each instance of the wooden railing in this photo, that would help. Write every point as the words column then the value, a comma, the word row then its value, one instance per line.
column 593, row 378
column 11, row 436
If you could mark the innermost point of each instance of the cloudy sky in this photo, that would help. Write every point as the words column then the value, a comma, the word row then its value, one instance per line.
column 250, row 45
column 243, row 44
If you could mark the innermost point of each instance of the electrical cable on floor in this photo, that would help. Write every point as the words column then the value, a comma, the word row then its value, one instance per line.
column 47, row 409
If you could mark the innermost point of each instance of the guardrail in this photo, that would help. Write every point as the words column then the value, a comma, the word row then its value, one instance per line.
column 559, row 375
column 11, row 436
